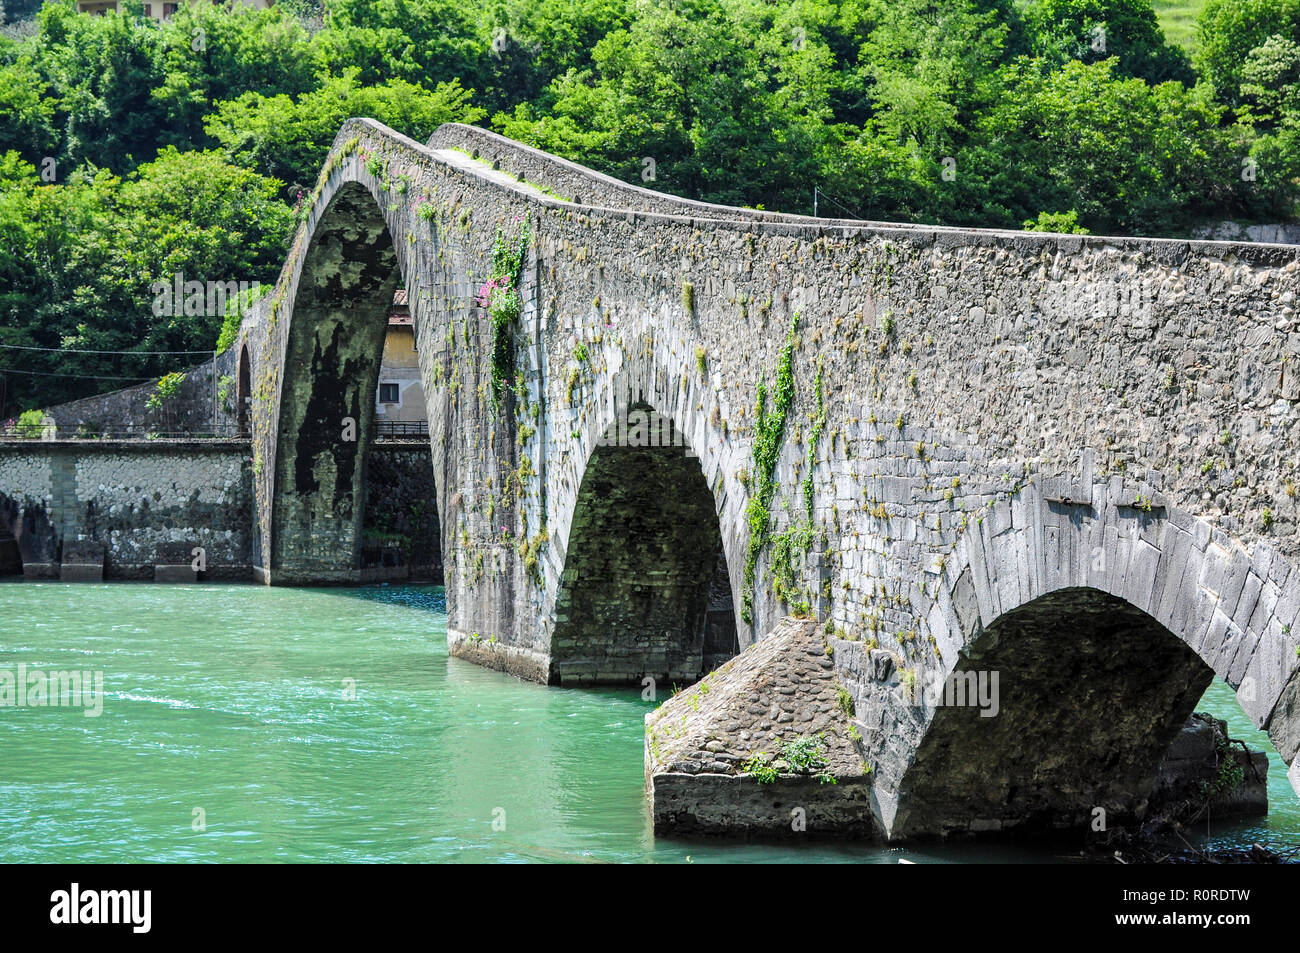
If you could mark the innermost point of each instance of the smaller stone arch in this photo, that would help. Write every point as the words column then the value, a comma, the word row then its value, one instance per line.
column 243, row 394
column 645, row 586
column 11, row 557
column 1141, row 604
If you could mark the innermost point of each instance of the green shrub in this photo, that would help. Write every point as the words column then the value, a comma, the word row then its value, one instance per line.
column 31, row 423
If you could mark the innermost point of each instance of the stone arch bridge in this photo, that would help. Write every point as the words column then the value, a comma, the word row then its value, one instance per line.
column 1067, row 459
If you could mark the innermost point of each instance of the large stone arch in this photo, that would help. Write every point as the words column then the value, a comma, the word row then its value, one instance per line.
column 1105, row 621
column 316, row 349
column 653, row 415
column 336, row 327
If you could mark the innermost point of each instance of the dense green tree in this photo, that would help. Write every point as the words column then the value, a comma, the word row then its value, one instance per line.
column 100, row 73
column 680, row 87
column 210, row 54
column 532, row 42
column 1270, row 89
column 1125, row 156
column 289, row 138
column 1228, row 30
column 16, row 10
column 26, row 113
column 1094, row 30
column 78, row 260
column 420, row 41
column 928, row 63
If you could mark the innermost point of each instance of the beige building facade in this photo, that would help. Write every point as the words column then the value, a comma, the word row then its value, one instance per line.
column 400, row 397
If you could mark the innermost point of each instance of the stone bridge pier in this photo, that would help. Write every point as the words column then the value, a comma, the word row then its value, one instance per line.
column 1067, row 462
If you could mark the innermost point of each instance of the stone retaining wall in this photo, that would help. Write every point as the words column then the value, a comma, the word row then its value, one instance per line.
column 196, row 408
column 141, row 503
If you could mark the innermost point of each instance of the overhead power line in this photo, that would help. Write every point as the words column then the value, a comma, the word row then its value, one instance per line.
column 73, row 350
column 97, row 377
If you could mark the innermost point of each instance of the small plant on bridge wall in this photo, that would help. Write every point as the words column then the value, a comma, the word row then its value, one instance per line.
column 818, row 424
column 500, row 296
column 807, row 755
column 223, row 391
column 760, row 769
column 784, row 547
column 164, row 391
column 31, row 423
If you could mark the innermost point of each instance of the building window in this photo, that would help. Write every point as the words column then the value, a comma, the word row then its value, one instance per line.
column 388, row 393
column 169, row 9
column 148, row 9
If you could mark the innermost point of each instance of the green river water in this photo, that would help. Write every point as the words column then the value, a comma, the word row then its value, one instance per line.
column 230, row 699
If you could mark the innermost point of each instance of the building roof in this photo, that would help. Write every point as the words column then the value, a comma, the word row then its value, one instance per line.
column 400, row 314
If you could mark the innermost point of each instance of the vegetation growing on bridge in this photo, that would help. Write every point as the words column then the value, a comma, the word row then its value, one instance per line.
column 500, row 295
column 769, row 435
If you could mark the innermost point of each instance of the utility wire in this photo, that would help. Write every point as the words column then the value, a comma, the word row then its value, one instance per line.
column 824, row 194
column 85, row 377
column 72, row 350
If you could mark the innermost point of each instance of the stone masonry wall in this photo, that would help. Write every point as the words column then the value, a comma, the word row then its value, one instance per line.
column 400, row 509
column 143, row 503
column 702, row 744
column 197, row 407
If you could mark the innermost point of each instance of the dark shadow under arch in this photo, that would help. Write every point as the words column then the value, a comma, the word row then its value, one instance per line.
column 11, row 557
column 243, row 393
column 645, row 589
column 1091, row 692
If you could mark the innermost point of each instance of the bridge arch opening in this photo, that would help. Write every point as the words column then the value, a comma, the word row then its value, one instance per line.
column 1070, row 703
column 243, row 393
column 328, row 401
column 11, row 557
column 645, row 589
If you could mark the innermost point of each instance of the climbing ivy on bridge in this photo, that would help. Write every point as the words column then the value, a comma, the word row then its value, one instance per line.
column 769, row 434
column 500, row 295
column 818, row 425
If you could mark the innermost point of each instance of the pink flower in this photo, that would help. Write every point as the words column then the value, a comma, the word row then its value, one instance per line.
column 484, row 296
